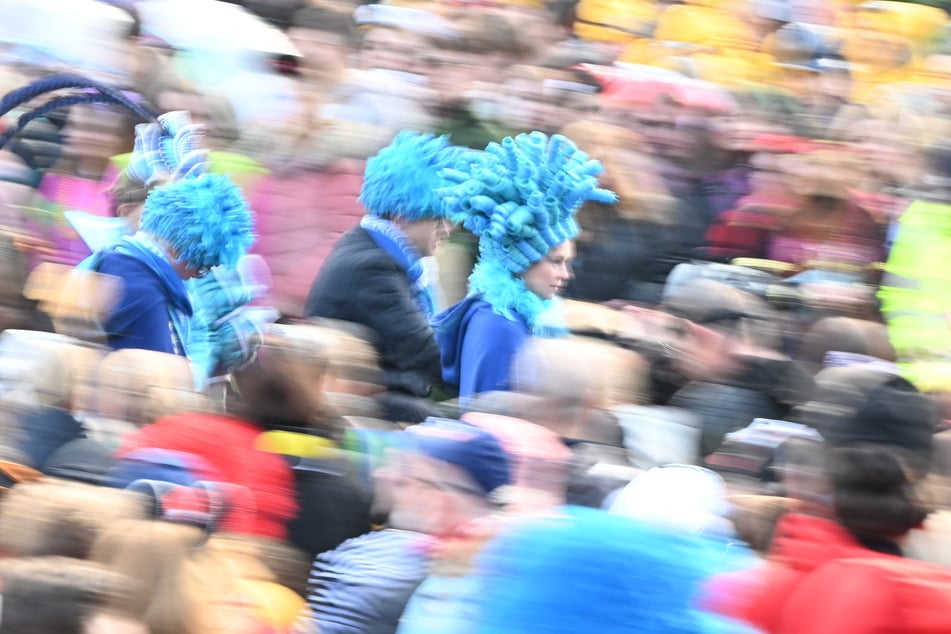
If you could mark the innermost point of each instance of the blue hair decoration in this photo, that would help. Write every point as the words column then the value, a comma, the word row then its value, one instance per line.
column 520, row 197
column 205, row 219
column 508, row 296
column 402, row 179
column 167, row 150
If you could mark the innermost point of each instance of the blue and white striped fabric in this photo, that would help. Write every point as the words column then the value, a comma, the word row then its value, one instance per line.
column 363, row 586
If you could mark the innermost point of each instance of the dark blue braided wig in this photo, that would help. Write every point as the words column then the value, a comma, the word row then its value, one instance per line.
column 204, row 217
column 93, row 92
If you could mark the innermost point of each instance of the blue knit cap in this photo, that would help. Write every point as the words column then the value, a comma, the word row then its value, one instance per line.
column 475, row 451
column 520, row 197
column 402, row 179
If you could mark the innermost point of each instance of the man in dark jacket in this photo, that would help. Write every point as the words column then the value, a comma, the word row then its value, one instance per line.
column 380, row 274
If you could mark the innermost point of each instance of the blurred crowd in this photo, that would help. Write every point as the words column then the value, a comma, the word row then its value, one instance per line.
column 742, row 427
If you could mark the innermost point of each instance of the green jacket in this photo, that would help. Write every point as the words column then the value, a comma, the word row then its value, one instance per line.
column 915, row 292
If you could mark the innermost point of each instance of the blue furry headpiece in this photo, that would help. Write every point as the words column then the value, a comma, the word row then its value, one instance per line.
column 205, row 219
column 591, row 571
column 402, row 179
column 520, row 197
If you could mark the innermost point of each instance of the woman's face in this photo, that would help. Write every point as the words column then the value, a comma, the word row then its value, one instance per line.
column 550, row 275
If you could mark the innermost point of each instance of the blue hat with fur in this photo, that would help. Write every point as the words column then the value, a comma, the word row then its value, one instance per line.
column 402, row 179
column 589, row 571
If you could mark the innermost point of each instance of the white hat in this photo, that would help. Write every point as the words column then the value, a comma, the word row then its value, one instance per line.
column 685, row 498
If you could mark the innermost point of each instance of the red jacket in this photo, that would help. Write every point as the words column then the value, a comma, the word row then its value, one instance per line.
column 229, row 445
column 820, row 580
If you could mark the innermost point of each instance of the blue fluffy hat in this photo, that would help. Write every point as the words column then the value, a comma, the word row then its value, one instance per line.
column 520, row 197
column 402, row 179
column 590, row 571
column 205, row 219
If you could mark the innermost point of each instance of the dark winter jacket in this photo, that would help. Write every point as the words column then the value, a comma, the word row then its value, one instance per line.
column 360, row 283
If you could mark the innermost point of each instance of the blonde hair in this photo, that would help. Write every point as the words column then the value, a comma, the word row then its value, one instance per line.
column 141, row 386
column 51, row 517
column 154, row 554
column 53, row 366
column 188, row 584
column 352, row 361
column 580, row 373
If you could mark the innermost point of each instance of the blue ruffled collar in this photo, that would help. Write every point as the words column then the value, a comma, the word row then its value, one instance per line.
column 508, row 296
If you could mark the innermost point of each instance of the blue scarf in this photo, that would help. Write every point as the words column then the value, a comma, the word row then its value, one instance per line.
column 144, row 249
column 391, row 239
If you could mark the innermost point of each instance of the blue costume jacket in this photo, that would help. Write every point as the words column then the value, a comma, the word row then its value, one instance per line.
column 153, row 309
column 478, row 345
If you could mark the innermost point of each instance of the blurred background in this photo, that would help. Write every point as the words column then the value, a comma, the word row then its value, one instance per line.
column 782, row 234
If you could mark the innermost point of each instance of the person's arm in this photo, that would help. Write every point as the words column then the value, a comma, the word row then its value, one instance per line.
column 386, row 306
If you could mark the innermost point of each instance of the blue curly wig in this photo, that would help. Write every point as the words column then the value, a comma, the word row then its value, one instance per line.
column 520, row 197
column 592, row 571
column 205, row 219
column 402, row 179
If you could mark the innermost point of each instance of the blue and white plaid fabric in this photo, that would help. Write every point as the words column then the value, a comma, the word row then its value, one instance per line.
column 226, row 330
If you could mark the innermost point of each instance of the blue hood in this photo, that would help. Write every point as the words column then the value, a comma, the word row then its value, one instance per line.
column 449, row 327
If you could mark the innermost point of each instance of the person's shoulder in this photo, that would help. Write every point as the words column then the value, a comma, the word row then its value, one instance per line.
column 900, row 572
column 356, row 251
column 483, row 316
column 136, row 275
column 115, row 263
column 375, row 550
column 917, row 593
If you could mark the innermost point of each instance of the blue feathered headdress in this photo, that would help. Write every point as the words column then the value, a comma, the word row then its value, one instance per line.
column 205, row 219
column 402, row 179
column 520, row 196
column 591, row 571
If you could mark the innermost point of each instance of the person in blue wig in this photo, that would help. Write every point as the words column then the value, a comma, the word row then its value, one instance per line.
column 188, row 227
column 584, row 570
column 225, row 328
column 381, row 274
column 191, row 222
column 520, row 198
